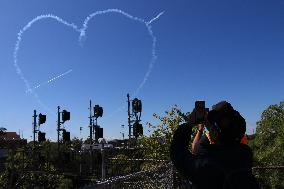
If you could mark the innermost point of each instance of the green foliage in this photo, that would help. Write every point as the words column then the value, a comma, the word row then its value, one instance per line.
column 4, row 179
column 157, row 145
column 33, row 179
column 120, row 165
column 2, row 130
column 34, row 167
column 40, row 180
column 76, row 143
column 65, row 184
column 268, row 145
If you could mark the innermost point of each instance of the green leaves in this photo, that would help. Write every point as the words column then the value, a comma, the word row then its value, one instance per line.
column 158, row 143
column 268, row 145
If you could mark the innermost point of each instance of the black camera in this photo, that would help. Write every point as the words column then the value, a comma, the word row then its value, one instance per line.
column 199, row 112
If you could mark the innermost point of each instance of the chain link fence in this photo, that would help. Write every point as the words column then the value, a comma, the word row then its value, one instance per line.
column 125, row 169
column 160, row 177
column 166, row 177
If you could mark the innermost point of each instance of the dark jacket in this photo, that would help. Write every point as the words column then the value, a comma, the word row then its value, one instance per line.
column 211, row 167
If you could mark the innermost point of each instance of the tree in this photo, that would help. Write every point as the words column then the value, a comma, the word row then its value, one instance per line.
column 76, row 143
column 268, row 145
column 2, row 131
column 157, row 145
column 31, row 167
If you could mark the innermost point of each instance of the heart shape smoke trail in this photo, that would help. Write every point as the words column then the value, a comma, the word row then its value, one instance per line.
column 82, row 32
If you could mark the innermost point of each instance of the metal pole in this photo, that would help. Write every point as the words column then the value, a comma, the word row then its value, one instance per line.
column 58, row 127
column 103, row 164
column 122, row 127
column 34, row 126
column 80, row 163
column 96, row 126
column 129, row 123
column 91, row 139
column 91, row 124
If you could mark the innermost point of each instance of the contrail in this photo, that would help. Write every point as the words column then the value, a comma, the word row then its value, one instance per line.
column 82, row 32
column 157, row 17
column 51, row 80
column 150, row 32
column 17, row 47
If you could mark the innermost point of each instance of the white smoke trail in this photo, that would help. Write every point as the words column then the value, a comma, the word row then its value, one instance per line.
column 82, row 32
column 157, row 17
column 86, row 21
column 51, row 80
column 150, row 32
column 17, row 47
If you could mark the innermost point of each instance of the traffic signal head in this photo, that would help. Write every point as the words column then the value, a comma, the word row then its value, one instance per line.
column 99, row 133
column 136, row 105
column 66, row 136
column 98, row 111
column 137, row 129
column 65, row 115
column 41, row 137
column 41, row 118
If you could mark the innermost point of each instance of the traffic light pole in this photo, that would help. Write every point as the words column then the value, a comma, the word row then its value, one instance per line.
column 95, row 130
column 129, row 121
column 91, row 138
column 34, row 126
column 58, row 128
column 91, row 124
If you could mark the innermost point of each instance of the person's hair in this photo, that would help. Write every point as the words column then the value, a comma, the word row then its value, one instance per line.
column 229, row 124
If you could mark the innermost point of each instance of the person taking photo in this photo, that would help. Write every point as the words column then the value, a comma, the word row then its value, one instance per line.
column 218, row 160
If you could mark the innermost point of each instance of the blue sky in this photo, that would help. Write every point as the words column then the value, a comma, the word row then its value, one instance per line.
column 209, row 50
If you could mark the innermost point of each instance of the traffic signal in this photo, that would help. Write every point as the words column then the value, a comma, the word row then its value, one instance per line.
column 41, row 137
column 66, row 136
column 65, row 115
column 98, row 111
column 99, row 133
column 41, row 118
column 137, row 129
column 136, row 105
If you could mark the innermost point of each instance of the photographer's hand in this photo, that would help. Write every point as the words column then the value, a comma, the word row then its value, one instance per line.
column 200, row 129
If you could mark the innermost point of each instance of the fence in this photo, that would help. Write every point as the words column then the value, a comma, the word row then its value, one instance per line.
column 124, row 169
column 160, row 177
column 165, row 176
